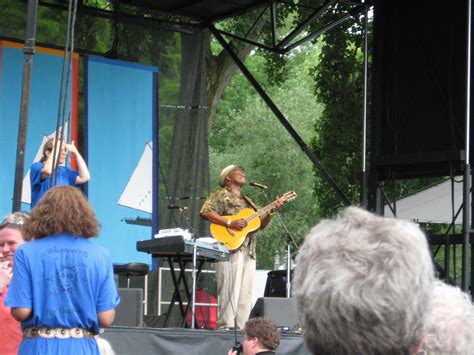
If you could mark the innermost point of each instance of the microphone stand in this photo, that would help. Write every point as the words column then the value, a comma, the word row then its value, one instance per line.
column 290, row 240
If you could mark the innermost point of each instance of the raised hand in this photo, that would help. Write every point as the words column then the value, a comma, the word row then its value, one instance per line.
column 72, row 148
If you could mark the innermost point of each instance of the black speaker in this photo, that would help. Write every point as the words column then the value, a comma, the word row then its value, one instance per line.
column 282, row 311
column 276, row 283
column 419, row 88
column 129, row 312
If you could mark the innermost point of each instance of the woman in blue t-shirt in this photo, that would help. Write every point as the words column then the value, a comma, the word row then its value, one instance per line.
column 63, row 286
column 41, row 172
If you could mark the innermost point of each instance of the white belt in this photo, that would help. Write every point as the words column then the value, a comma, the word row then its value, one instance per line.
column 61, row 333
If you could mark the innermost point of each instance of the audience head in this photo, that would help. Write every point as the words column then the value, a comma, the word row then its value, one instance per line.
column 363, row 285
column 63, row 209
column 12, row 234
column 260, row 334
column 451, row 323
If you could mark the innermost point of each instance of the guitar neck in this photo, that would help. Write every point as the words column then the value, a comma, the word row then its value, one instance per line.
column 262, row 211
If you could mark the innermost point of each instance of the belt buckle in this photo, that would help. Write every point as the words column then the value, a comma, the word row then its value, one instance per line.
column 76, row 333
column 47, row 333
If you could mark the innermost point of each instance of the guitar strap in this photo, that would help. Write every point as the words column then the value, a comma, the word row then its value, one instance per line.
column 249, row 201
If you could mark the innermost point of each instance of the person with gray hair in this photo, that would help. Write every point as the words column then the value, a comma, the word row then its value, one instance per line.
column 451, row 324
column 363, row 285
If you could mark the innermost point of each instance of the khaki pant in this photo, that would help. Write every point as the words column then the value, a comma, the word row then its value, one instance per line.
column 235, row 279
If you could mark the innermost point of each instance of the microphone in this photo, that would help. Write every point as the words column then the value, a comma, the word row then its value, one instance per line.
column 260, row 186
column 174, row 207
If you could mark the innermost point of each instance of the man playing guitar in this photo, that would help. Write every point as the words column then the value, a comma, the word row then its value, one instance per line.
column 235, row 277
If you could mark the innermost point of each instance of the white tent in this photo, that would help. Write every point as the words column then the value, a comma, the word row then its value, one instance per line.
column 433, row 204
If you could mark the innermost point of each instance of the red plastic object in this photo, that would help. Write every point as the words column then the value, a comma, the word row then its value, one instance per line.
column 206, row 316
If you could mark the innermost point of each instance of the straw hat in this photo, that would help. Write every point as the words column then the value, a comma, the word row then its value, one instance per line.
column 226, row 171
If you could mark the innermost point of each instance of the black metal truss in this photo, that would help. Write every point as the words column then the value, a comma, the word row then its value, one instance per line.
column 280, row 116
column 286, row 45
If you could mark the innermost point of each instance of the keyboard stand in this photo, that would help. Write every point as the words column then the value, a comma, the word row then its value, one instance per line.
column 178, row 281
column 176, row 249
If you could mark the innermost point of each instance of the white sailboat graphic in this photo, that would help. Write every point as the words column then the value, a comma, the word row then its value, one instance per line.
column 26, row 191
column 138, row 193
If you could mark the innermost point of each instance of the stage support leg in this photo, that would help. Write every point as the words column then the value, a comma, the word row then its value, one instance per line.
column 28, row 50
column 363, row 187
column 466, row 225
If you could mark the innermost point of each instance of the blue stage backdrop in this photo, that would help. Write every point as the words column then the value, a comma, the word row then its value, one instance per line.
column 121, row 121
column 44, row 101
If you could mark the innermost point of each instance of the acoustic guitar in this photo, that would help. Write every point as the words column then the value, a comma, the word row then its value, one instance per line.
column 233, row 238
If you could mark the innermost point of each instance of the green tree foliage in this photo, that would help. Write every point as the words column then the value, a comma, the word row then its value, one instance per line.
column 338, row 79
column 247, row 133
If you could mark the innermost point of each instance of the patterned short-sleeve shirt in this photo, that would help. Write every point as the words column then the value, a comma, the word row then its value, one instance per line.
column 226, row 203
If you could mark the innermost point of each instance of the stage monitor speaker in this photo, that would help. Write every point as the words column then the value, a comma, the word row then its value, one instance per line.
column 129, row 312
column 419, row 88
column 276, row 283
column 282, row 311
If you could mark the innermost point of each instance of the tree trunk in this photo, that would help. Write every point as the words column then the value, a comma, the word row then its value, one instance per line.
column 221, row 69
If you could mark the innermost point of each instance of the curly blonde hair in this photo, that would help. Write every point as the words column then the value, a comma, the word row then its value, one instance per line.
column 63, row 209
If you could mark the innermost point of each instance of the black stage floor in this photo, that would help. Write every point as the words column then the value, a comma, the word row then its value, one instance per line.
column 164, row 341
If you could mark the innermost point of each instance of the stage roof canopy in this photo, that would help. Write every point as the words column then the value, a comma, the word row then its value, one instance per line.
column 199, row 13
column 205, row 10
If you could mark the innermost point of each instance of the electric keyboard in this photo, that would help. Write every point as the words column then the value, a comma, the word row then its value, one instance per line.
column 179, row 246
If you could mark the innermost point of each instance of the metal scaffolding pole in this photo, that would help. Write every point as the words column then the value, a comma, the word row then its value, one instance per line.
column 467, row 168
column 29, row 51
column 363, row 190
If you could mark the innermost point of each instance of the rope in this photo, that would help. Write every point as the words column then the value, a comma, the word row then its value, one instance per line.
column 65, row 79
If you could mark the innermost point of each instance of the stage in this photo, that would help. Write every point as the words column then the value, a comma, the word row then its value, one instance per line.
column 151, row 341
